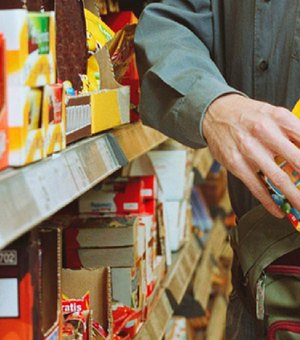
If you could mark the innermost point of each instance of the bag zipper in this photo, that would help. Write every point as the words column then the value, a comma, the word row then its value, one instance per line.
column 260, row 296
column 287, row 325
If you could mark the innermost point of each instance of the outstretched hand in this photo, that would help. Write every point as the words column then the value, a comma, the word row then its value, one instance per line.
column 245, row 135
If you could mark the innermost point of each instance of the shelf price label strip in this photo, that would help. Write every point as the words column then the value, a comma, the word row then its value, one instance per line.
column 32, row 194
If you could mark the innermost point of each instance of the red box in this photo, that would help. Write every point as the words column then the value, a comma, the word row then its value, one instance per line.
column 30, row 286
column 3, row 108
column 127, row 195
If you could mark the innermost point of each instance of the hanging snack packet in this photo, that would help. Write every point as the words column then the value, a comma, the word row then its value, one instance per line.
column 75, row 317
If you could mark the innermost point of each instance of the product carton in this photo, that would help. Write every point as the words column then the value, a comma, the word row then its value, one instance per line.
column 54, row 119
column 30, row 286
column 3, row 107
column 134, row 195
column 30, row 47
column 76, row 283
column 129, row 286
column 115, row 198
column 26, row 137
column 98, row 111
column 114, row 242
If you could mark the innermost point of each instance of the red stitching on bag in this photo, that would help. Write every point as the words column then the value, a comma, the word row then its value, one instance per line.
column 282, row 269
column 286, row 325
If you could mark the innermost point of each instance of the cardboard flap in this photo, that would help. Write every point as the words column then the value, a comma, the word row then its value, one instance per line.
column 91, row 6
column 106, row 69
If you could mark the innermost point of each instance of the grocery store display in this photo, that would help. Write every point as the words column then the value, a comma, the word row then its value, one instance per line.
column 117, row 262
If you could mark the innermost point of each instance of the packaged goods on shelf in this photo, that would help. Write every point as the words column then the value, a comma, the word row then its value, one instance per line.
column 53, row 119
column 107, row 108
column 126, row 195
column 111, row 236
column 175, row 181
column 201, row 215
column 179, row 328
column 3, row 106
column 30, row 40
column 26, row 140
column 118, row 21
column 30, row 286
column 76, row 284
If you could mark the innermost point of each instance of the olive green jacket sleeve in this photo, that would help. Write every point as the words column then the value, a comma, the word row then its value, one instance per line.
column 174, row 45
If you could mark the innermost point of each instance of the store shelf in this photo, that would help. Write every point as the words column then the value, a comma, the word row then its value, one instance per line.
column 182, row 269
column 204, row 272
column 178, row 277
column 157, row 321
column 31, row 194
column 136, row 139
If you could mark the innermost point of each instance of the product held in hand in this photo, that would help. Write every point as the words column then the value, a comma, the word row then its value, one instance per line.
column 292, row 214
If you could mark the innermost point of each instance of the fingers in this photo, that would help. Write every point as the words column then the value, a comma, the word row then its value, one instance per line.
column 248, row 176
column 275, row 140
column 264, row 161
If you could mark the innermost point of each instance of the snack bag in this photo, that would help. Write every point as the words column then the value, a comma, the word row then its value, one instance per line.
column 98, row 34
column 75, row 317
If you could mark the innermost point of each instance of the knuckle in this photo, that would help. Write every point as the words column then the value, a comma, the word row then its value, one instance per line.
column 280, row 113
column 258, row 128
column 279, row 178
column 235, row 161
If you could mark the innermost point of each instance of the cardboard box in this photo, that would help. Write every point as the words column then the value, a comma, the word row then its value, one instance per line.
column 75, row 283
column 30, row 286
column 3, row 107
column 170, row 168
column 108, row 107
column 122, row 198
column 114, row 242
column 129, row 286
column 54, row 119
column 26, row 142
column 30, row 47
column 134, row 195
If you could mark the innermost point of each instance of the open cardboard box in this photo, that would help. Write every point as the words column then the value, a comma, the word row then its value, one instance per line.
column 98, row 111
column 75, row 283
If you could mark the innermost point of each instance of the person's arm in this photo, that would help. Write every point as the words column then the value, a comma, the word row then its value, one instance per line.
column 179, row 80
column 185, row 96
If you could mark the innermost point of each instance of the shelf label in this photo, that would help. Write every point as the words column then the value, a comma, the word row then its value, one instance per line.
column 51, row 184
column 17, row 207
column 8, row 258
column 93, row 164
column 77, row 170
column 106, row 153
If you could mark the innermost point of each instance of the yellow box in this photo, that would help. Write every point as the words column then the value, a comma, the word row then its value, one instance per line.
column 54, row 119
column 109, row 108
column 30, row 47
column 26, row 143
column 102, row 110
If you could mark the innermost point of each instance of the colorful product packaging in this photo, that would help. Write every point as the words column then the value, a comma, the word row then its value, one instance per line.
column 26, row 137
column 76, row 317
column 54, row 119
column 30, row 270
column 3, row 107
column 278, row 197
column 30, row 47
